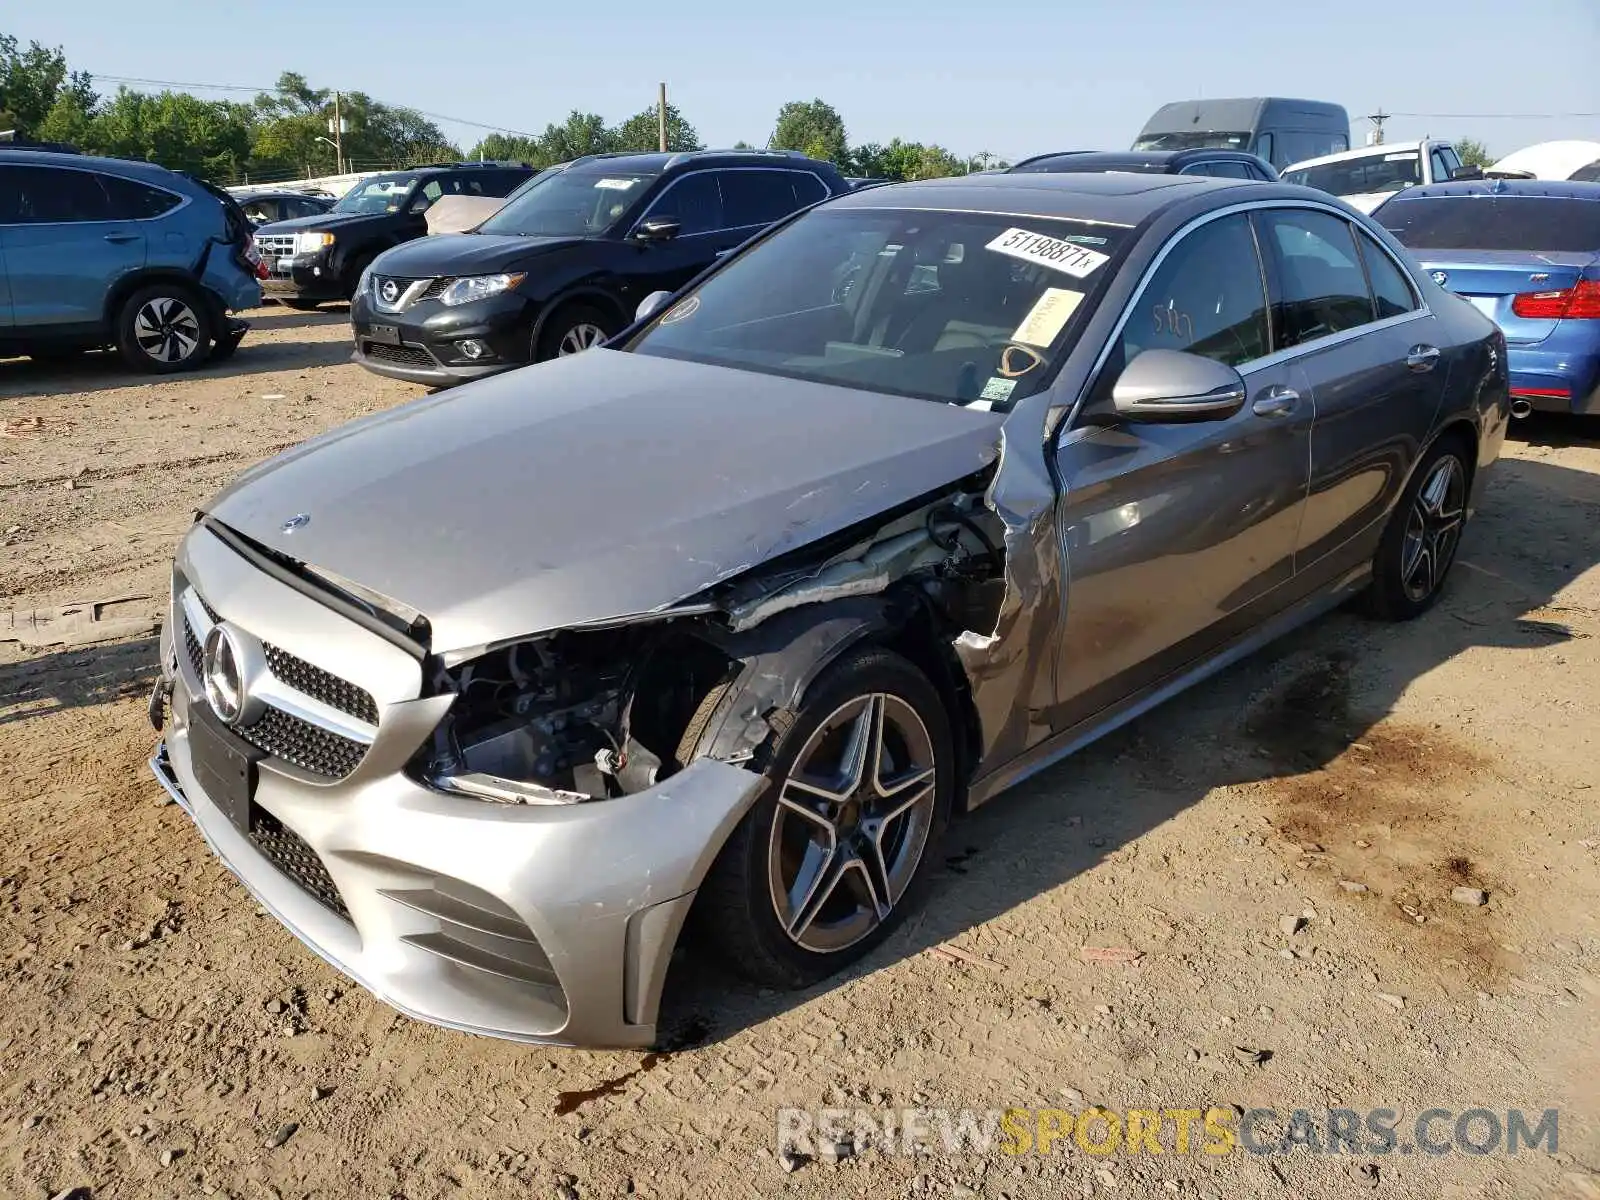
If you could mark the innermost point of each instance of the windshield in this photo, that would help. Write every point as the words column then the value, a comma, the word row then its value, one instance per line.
column 380, row 194
column 1553, row 224
column 965, row 308
column 569, row 204
column 1194, row 140
column 1355, row 176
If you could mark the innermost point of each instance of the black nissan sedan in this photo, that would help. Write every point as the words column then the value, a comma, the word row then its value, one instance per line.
column 565, row 263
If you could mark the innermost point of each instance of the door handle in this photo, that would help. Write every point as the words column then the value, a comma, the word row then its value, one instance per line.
column 121, row 238
column 1276, row 401
column 1422, row 358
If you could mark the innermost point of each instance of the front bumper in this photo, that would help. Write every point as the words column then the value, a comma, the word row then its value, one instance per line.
column 303, row 277
column 431, row 336
column 539, row 924
column 1555, row 380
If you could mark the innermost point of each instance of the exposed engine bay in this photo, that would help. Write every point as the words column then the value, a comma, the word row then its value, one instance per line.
column 587, row 714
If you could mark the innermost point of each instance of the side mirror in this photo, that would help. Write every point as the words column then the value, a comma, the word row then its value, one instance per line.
column 1467, row 173
column 1172, row 386
column 650, row 305
column 657, row 229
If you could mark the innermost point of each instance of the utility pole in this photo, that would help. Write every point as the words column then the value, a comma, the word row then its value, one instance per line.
column 661, row 116
column 1375, row 138
column 338, row 138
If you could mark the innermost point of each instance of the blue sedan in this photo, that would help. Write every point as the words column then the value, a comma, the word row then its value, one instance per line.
column 1525, row 253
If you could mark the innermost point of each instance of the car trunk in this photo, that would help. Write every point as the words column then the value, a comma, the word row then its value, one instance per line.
column 1492, row 280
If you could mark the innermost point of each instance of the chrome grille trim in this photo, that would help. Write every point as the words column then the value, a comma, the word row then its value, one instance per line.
column 410, row 291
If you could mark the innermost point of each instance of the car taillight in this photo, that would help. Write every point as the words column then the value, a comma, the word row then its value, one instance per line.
column 1571, row 304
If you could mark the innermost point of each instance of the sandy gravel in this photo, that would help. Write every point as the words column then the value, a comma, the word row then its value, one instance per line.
column 161, row 1034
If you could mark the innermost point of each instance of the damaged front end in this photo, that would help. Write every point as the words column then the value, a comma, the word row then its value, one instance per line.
column 592, row 713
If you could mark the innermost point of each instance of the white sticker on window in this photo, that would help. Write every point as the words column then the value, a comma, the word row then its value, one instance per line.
column 1055, row 253
column 998, row 388
column 1048, row 314
column 615, row 185
column 1409, row 155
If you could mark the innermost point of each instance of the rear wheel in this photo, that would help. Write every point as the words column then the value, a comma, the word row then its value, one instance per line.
column 163, row 328
column 1419, row 545
column 836, row 851
column 573, row 329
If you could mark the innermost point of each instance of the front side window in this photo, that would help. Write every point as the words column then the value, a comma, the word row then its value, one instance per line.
column 1486, row 221
column 1391, row 291
column 695, row 202
column 1322, row 288
column 1207, row 297
column 427, row 195
column 1441, row 168
column 962, row 308
column 576, row 202
column 380, row 194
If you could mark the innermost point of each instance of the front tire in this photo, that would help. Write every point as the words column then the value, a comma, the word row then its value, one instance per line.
column 836, row 850
column 573, row 329
column 164, row 328
column 1419, row 545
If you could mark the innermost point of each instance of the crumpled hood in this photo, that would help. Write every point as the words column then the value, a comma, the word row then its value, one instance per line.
column 601, row 485
column 458, row 254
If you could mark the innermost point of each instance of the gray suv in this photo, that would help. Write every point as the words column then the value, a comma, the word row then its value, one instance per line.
column 107, row 252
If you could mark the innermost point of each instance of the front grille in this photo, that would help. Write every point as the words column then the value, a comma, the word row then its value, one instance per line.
column 284, row 849
column 320, row 685
column 435, row 289
column 272, row 247
column 307, row 746
column 196, row 652
column 406, row 356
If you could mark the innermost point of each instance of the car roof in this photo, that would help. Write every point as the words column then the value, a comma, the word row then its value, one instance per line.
column 655, row 161
column 1118, row 199
column 1152, row 161
column 132, row 167
column 1551, row 188
column 1377, row 151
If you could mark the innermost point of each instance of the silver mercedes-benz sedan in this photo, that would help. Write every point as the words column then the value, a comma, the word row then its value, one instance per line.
column 490, row 696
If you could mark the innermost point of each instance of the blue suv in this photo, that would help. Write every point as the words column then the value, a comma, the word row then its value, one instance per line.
column 108, row 252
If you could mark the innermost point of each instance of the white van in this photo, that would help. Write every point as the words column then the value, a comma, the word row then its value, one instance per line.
column 1367, row 177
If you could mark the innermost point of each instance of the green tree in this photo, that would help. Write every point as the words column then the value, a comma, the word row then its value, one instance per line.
column 32, row 80
column 907, row 160
column 294, row 131
column 1473, row 153
column 581, row 133
column 813, row 127
column 208, row 137
column 507, row 147
column 642, row 131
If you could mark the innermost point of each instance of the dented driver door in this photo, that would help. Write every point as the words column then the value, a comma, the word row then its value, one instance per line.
column 1176, row 538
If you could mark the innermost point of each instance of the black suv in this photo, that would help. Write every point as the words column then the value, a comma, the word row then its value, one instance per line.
column 1224, row 164
column 320, row 257
column 565, row 263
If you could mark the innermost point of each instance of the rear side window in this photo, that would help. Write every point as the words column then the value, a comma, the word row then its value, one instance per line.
column 1322, row 288
column 51, row 194
column 502, row 183
column 757, row 197
column 1555, row 224
column 1391, row 292
column 808, row 189
column 1207, row 298
column 131, row 201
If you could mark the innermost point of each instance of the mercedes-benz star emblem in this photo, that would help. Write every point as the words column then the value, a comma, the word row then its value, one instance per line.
column 1440, row 278
column 224, row 676
column 298, row 521
column 389, row 290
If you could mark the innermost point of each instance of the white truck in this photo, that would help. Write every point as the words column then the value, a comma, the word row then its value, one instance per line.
column 1365, row 178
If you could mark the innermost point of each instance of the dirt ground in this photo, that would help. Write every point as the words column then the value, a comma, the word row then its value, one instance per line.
column 163, row 1037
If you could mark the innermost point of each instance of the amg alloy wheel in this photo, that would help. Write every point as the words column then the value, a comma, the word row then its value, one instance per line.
column 836, row 850
column 852, row 819
column 1420, row 543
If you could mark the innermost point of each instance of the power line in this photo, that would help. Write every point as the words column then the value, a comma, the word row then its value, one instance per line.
column 239, row 87
column 1501, row 116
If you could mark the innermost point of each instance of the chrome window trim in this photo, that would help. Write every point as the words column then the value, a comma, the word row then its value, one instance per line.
column 183, row 200
column 1277, row 357
column 827, row 192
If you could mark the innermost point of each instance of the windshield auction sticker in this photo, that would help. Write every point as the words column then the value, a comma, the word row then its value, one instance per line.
column 1055, row 253
column 1047, row 316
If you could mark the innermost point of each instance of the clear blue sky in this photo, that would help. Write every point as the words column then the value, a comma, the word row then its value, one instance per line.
column 1013, row 79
